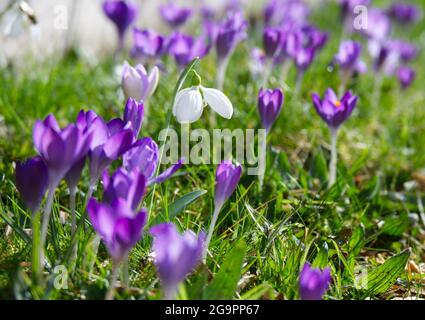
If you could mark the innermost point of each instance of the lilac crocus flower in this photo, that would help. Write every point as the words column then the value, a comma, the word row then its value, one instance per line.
column 147, row 44
column 133, row 113
column 118, row 225
column 334, row 112
column 271, row 41
column 122, row 14
column 137, row 83
column 269, row 106
column 406, row 76
column 173, row 15
column 144, row 156
column 226, row 180
column 348, row 57
column 175, row 255
column 31, row 181
column 184, row 48
column 129, row 186
column 404, row 13
column 59, row 148
column 314, row 283
column 379, row 25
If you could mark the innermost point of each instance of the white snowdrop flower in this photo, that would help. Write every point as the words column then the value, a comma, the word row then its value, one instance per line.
column 190, row 102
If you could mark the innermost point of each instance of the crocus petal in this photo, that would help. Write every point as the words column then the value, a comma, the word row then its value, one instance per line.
column 152, row 82
column 118, row 144
column 218, row 101
column 167, row 173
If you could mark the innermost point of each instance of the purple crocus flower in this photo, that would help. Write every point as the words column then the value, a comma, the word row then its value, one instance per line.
column 229, row 34
column 129, row 186
column 59, row 148
column 349, row 57
column 313, row 37
column 226, row 180
column 144, row 156
column 173, row 15
column 269, row 106
column 304, row 58
column 271, row 41
column 405, row 13
column 147, row 44
column 133, row 113
column 109, row 141
column 313, row 282
column 175, row 255
column 122, row 14
column 332, row 110
column 137, row 83
column 118, row 225
column 277, row 12
column 31, row 181
column 184, row 48
column 406, row 76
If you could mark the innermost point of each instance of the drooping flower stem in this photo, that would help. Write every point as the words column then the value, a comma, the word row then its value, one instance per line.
column 262, row 156
column 221, row 72
column 217, row 210
column 114, row 277
column 333, row 162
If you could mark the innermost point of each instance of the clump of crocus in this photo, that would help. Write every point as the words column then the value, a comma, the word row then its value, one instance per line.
column 175, row 255
column 122, row 14
column 120, row 228
column 404, row 13
column 226, row 36
column 173, row 15
column 334, row 112
column 190, row 102
column 406, row 76
column 269, row 106
column 313, row 282
column 148, row 45
column 349, row 60
column 226, row 180
column 137, row 83
column 184, row 48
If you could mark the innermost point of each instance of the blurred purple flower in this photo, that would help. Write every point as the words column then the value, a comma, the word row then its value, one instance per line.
column 122, row 14
column 379, row 25
column 118, row 225
column 59, row 148
column 31, row 179
column 133, row 113
column 137, row 83
column 147, row 44
column 406, row 76
column 184, row 48
column 173, row 15
column 175, row 255
column 277, row 12
column 228, row 34
column 349, row 57
column 226, row 180
column 271, row 41
column 304, row 58
column 269, row 106
column 332, row 110
column 314, row 283
column 405, row 13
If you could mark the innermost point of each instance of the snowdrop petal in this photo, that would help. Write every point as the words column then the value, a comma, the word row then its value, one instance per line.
column 218, row 101
column 188, row 106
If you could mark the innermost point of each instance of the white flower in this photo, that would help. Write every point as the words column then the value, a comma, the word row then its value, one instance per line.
column 190, row 103
column 137, row 83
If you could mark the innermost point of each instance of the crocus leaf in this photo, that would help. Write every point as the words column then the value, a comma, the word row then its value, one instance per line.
column 178, row 206
column 258, row 292
column 321, row 260
column 224, row 284
column 380, row 279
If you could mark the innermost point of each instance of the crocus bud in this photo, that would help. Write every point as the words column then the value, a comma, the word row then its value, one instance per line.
column 271, row 41
column 269, row 105
column 226, row 180
column 406, row 76
column 121, row 13
column 313, row 282
column 31, row 181
column 133, row 113
column 175, row 255
column 118, row 225
column 332, row 110
column 137, row 84
column 173, row 15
